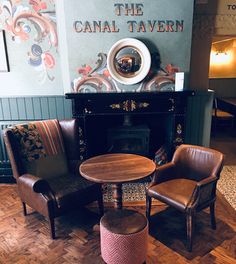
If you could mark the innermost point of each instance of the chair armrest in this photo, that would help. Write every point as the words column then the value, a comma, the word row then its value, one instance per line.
column 206, row 181
column 204, row 191
column 35, row 183
column 164, row 173
column 37, row 193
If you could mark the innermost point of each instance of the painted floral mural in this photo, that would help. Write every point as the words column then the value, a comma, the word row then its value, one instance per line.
column 94, row 78
column 97, row 78
column 34, row 22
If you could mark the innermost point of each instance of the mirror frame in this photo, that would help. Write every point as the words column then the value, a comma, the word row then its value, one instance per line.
column 144, row 53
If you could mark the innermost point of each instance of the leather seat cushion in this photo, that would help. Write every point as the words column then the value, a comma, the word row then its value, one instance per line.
column 69, row 189
column 177, row 192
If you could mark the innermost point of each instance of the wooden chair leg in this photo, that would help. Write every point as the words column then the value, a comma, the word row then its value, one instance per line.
column 190, row 226
column 148, row 206
column 24, row 208
column 52, row 227
column 212, row 213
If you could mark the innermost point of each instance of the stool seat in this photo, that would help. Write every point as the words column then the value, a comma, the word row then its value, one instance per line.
column 124, row 237
column 124, row 221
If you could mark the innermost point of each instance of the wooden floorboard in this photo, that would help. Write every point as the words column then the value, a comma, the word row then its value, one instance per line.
column 27, row 240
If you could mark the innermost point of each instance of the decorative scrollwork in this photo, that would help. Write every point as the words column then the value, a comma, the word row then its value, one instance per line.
column 82, row 148
column 172, row 108
column 86, row 111
column 179, row 129
column 178, row 137
column 80, row 132
column 129, row 105
column 160, row 83
column 98, row 82
column 179, row 140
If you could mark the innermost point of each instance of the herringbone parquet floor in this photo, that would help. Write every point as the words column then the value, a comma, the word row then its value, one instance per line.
column 27, row 240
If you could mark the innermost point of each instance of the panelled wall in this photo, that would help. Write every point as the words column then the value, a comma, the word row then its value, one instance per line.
column 22, row 109
column 33, row 108
column 223, row 87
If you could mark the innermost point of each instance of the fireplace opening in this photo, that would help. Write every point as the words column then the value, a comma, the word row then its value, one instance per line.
column 139, row 134
column 129, row 139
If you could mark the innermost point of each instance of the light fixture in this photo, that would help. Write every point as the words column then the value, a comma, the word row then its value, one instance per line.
column 220, row 57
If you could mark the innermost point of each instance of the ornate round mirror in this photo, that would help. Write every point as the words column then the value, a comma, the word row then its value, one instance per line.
column 129, row 61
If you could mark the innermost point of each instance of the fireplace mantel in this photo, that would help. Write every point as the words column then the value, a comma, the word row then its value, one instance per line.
column 92, row 106
column 128, row 102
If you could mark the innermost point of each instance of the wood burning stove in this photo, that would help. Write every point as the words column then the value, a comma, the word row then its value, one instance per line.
column 129, row 139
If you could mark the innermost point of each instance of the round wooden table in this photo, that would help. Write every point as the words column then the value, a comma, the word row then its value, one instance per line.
column 117, row 169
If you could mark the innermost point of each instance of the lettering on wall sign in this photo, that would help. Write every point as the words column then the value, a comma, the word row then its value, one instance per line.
column 156, row 26
column 128, row 9
column 133, row 10
column 95, row 26
column 231, row 7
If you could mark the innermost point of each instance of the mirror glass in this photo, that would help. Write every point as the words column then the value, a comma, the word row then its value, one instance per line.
column 128, row 62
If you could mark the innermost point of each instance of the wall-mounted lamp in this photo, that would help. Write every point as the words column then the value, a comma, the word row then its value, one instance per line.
column 220, row 57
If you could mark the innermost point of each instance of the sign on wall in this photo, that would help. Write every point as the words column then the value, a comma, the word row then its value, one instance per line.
column 225, row 20
column 92, row 28
column 226, row 7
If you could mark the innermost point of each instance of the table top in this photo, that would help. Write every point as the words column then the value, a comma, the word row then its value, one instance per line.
column 117, row 168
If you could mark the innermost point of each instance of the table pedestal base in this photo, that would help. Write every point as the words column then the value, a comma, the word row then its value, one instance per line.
column 117, row 195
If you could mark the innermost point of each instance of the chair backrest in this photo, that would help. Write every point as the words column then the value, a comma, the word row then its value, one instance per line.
column 217, row 113
column 73, row 138
column 197, row 163
column 214, row 107
column 36, row 148
column 215, row 103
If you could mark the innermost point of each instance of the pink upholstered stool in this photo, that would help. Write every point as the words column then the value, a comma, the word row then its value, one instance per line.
column 124, row 237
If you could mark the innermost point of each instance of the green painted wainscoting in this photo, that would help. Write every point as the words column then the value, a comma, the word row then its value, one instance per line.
column 15, row 110
column 34, row 108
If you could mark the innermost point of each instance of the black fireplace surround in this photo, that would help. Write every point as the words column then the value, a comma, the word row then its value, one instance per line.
column 115, row 122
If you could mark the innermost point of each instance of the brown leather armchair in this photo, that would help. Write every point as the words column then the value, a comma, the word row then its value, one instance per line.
column 188, row 183
column 45, row 156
